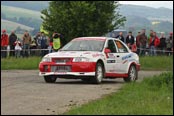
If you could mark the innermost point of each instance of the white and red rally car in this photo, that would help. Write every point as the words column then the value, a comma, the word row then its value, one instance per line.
column 91, row 58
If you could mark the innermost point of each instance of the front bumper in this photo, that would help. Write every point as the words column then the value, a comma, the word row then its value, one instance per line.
column 77, row 69
column 67, row 73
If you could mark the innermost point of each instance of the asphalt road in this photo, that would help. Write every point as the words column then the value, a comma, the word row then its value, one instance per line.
column 24, row 92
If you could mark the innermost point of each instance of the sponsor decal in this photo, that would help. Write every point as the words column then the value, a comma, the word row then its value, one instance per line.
column 132, row 60
column 127, row 56
column 111, row 55
column 110, row 61
column 87, row 53
column 125, row 61
column 97, row 55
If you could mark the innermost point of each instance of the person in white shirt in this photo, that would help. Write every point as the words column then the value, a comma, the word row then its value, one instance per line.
column 18, row 48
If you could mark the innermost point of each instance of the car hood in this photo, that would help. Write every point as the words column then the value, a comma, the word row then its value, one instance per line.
column 72, row 54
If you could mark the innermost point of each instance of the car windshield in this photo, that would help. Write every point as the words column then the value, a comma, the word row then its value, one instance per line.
column 84, row 45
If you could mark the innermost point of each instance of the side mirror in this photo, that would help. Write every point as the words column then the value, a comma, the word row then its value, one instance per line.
column 107, row 51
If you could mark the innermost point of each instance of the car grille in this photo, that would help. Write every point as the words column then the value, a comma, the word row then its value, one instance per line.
column 61, row 60
column 60, row 68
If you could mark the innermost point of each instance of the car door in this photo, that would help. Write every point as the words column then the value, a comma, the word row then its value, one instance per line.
column 123, row 56
column 112, row 65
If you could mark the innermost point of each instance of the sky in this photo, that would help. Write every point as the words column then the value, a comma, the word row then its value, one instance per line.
column 154, row 4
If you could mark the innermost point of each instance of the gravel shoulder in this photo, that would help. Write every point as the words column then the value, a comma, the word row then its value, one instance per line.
column 24, row 92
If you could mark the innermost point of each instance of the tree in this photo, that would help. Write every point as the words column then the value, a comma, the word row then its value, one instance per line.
column 82, row 18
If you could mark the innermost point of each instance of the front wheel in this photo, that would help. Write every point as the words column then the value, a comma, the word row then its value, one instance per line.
column 50, row 79
column 132, row 74
column 99, row 73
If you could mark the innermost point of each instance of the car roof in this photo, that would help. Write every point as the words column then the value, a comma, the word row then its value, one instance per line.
column 96, row 38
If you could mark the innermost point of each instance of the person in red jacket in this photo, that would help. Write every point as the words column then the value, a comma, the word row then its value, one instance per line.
column 4, row 43
column 153, row 44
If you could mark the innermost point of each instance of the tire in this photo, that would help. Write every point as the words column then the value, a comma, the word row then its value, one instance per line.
column 99, row 74
column 50, row 79
column 132, row 74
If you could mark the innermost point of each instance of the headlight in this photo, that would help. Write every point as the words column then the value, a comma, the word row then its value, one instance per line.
column 46, row 59
column 81, row 59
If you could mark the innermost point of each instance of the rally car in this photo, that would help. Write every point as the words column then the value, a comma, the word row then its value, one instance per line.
column 91, row 59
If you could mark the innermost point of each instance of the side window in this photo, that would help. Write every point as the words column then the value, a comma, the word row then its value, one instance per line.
column 121, row 47
column 111, row 46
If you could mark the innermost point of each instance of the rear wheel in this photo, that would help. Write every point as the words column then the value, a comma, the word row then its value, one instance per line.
column 99, row 73
column 132, row 74
column 50, row 79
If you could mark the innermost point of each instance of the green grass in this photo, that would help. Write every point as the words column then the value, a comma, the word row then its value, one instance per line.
column 147, row 63
column 156, row 63
column 20, row 63
column 151, row 96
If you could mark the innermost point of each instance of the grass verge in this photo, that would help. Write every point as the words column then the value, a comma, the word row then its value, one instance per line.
column 20, row 63
column 156, row 63
column 147, row 63
column 151, row 96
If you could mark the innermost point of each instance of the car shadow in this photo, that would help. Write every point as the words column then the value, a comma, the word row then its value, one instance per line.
column 104, row 82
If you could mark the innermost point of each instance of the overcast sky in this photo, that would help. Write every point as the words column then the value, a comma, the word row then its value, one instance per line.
column 155, row 4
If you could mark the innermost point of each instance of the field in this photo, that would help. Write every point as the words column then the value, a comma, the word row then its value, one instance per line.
column 18, row 12
column 153, row 96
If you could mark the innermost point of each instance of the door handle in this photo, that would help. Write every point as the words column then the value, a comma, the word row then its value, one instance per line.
column 118, row 56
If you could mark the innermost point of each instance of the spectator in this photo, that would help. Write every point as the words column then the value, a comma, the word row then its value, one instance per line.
column 150, row 35
column 37, row 36
column 62, row 40
column 143, row 41
column 50, row 41
column 26, row 44
column 169, row 44
column 138, row 43
column 120, row 36
column 162, row 43
column 56, row 42
column 4, row 43
column 33, row 47
column 148, row 41
column 130, row 40
column 12, row 39
column 43, row 44
column 154, row 42
column 37, row 39
column 18, row 48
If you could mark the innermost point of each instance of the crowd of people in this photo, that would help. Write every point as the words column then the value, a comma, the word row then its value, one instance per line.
column 149, row 45
column 41, row 44
column 26, row 46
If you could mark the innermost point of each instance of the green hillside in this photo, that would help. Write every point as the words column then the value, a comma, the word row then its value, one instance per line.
column 17, row 12
column 9, row 26
column 31, row 5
